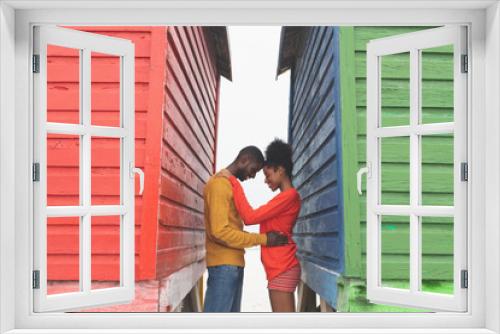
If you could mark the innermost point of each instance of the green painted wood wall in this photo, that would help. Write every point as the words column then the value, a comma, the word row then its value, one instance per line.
column 437, row 158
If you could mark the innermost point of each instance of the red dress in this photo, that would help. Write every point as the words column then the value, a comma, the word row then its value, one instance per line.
column 279, row 214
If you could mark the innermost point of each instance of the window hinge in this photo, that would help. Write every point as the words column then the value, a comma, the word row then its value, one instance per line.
column 36, row 279
column 36, row 172
column 36, row 63
column 464, row 279
column 464, row 171
column 465, row 64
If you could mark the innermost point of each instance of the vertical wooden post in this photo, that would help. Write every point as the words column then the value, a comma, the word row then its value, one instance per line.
column 324, row 307
column 306, row 298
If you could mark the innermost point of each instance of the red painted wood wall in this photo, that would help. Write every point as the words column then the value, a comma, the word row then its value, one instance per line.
column 188, row 147
column 176, row 94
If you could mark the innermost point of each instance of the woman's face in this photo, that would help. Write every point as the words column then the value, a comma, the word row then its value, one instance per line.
column 274, row 176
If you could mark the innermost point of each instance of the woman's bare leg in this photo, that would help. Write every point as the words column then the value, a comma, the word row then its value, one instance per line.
column 282, row 301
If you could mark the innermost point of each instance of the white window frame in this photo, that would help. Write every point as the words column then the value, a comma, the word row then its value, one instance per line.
column 85, row 43
column 16, row 17
column 414, row 43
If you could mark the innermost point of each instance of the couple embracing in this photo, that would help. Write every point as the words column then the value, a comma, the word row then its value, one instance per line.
column 227, row 208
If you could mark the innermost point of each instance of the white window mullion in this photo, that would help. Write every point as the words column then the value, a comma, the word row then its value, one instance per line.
column 415, row 170
column 127, row 221
column 460, row 155
column 40, row 156
column 80, row 211
column 373, row 179
column 420, row 129
column 86, row 174
column 80, row 129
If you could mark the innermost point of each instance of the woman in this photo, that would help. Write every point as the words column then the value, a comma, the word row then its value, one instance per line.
column 279, row 214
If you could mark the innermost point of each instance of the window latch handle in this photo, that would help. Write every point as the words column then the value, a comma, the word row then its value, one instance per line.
column 365, row 170
column 135, row 170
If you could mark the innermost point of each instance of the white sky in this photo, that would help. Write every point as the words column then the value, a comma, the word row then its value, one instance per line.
column 253, row 107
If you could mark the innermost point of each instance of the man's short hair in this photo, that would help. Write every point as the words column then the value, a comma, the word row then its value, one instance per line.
column 252, row 152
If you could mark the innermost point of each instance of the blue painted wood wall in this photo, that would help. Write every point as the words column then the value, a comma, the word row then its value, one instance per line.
column 314, row 133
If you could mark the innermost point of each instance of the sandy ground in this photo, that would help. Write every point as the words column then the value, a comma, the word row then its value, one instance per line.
column 255, row 297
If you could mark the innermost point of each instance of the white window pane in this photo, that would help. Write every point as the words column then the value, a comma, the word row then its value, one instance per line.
column 106, row 169
column 63, row 84
column 105, row 89
column 395, row 257
column 437, row 84
column 395, row 170
column 437, row 170
column 63, row 255
column 437, row 254
column 105, row 259
column 395, row 89
column 63, row 170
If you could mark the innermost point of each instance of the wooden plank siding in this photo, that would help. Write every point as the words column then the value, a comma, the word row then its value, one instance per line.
column 63, row 156
column 437, row 156
column 188, row 147
column 314, row 134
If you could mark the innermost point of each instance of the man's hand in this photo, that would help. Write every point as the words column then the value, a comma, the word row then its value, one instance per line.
column 276, row 239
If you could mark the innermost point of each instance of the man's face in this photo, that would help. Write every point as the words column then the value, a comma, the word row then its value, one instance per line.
column 248, row 169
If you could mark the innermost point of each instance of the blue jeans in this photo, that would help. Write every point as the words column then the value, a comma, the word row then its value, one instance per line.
column 224, row 289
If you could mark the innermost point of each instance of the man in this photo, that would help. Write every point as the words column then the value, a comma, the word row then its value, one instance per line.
column 225, row 239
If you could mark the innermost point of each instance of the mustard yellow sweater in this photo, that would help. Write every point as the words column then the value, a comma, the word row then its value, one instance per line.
column 225, row 239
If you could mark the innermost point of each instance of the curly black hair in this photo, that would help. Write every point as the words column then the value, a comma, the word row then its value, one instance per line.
column 279, row 153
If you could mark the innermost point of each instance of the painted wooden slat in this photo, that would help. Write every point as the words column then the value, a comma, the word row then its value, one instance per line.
column 327, row 150
column 324, row 199
column 326, row 176
column 317, row 91
column 321, row 115
column 299, row 72
column 325, row 245
column 318, row 65
column 63, row 239
column 174, row 190
column 198, row 67
column 183, row 123
column 177, row 216
column 173, row 139
column 434, row 91
column 186, row 62
column 176, row 95
column 305, row 64
column 64, row 153
column 437, row 236
column 320, row 112
column 170, row 238
column 63, row 268
column 64, row 95
column 58, row 70
column 320, row 281
column 171, row 260
column 171, row 163
column 200, row 60
column 208, row 53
